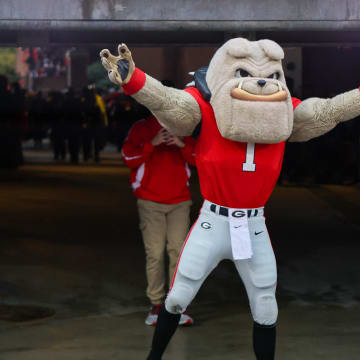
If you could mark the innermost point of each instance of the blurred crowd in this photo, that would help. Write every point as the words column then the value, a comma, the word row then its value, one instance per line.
column 79, row 124
column 46, row 61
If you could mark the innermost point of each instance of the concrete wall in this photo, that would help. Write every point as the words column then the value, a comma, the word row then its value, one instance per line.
column 181, row 14
column 192, row 59
column 153, row 61
column 180, row 10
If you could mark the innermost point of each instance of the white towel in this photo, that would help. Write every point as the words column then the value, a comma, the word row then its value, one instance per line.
column 240, row 235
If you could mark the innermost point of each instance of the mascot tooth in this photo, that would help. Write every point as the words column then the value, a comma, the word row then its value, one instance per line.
column 246, row 114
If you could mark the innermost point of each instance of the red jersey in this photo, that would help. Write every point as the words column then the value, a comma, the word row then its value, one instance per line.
column 158, row 173
column 231, row 173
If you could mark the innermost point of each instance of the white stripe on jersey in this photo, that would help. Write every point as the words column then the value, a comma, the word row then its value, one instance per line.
column 188, row 171
column 139, row 176
column 130, row 157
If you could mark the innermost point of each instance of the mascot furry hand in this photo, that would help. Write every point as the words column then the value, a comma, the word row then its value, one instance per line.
column 247, row 114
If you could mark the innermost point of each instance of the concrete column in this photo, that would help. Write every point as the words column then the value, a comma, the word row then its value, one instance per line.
column 77, row 75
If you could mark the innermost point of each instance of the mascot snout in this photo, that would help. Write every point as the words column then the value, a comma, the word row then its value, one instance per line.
column 262, row 90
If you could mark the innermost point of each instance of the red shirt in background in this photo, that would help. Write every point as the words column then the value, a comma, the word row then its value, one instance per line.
column 158, row 173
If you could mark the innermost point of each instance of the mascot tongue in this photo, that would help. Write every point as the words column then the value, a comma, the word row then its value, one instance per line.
column 241, row 94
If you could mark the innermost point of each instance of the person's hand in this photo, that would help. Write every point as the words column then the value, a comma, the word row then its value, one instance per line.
column 175, row 140
column 161, row 137
column 120, row 68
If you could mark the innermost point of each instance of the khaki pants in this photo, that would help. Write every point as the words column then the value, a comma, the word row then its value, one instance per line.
column 163, row 227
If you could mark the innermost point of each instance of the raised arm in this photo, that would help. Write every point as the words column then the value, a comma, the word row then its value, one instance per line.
column 175, row 109
column 316, row 116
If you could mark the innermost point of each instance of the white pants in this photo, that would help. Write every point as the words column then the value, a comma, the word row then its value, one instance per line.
column 208, row 243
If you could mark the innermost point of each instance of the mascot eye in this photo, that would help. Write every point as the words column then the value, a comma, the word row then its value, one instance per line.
column 242, row 73
column 275, row 75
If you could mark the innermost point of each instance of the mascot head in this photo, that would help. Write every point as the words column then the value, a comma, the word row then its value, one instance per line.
column 248, row 92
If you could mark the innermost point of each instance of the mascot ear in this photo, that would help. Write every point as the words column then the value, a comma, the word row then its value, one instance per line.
column 201, row 84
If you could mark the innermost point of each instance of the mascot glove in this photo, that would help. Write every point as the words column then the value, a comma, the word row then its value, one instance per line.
column 120, row 68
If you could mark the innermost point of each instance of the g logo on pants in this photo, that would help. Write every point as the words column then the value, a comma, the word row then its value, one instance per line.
column 238, row 213
column 206, row 225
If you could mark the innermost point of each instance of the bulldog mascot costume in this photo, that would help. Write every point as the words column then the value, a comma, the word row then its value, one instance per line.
column 246, row 114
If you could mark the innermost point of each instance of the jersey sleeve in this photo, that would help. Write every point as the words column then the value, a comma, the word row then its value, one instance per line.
column 135, row 150
column 188, row 151
column 295, row 102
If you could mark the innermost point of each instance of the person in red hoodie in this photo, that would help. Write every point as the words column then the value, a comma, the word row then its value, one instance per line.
column 159, row 163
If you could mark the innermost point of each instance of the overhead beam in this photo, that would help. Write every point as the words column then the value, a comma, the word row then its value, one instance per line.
column 173, row 26
column 181, row 10
column 176, row 22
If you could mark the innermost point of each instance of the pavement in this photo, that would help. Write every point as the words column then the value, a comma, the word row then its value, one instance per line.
column 72, row 271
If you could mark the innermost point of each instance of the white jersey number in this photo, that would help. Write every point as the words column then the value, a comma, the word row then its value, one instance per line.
column 249, row 164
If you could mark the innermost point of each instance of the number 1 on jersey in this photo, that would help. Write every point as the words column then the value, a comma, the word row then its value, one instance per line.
column 249, row 164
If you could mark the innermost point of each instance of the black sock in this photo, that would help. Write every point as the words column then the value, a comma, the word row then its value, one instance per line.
column 264, row 339
column 165, row 328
